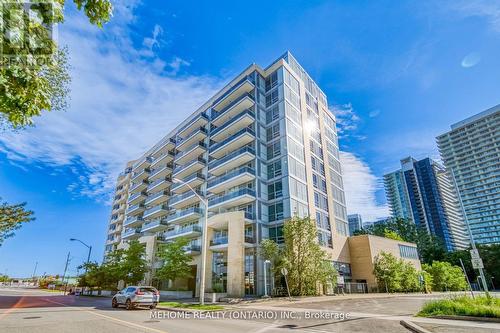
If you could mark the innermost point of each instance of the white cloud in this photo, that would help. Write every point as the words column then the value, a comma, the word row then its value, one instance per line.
column 347, row 119
column 121, row 105
column 374, row 113
column 471, row 60
column 361, row 186
column 489, row 9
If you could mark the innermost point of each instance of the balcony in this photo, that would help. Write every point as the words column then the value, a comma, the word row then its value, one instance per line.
column 156, row 212
column 192, row 249
column 136, row 198
column 197, row 121
column 163, row 159
column 191, row 231
column 131, row 234
column 236, row 198
column 160, row 172
column 233, row 110
column 185, row 215
column 232, row 160
column 133, row 221
column 219, row 241
column 154, row 226
column 163, row 147
column 141, row 174
column 242, row 87
column 193, row 180
column 135, row 209
column 190, row 153
column 157, row 198
column 188, row 168
column 235, row 141
column 231, row 179
column 185, row 199
column 193, row 137
column 234, row 125
column 159, row 185
column 142, row 163
column 139, row 186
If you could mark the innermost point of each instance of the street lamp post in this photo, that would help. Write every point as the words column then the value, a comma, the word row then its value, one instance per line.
column 90, row 251
column 265, row 277
column 204, row 238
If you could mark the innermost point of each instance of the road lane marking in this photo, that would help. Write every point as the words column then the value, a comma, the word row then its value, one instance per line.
column 126, row 323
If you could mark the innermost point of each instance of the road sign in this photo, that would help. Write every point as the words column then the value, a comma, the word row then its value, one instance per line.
column 284, row 271
column 474, row 254
column 477, row 263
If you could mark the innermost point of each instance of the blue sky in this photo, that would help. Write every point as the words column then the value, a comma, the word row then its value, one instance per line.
column 396, row 75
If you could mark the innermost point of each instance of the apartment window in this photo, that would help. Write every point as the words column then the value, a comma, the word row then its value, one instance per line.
column 272, row 97
column 273, row 132
column 274, row 149
column 291, row 81
column 292, row 113
column 408, row 251
column 275, row 190
column 276, row 234
column 295, row 149
column 294, row 131
column 276, row 212
column 274, row 169
column 271, row 81
column 299, row 209
column 292, row 97
column 297, row 169
column 340, row 211
column 272, row 114
column 298, row 190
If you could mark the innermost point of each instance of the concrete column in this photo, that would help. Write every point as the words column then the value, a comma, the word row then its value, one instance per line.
column 236, row 256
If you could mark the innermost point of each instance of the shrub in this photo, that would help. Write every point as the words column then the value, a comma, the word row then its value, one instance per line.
column 463, row 306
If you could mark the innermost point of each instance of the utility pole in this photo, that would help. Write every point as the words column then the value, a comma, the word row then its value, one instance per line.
column 34, row 271
column 65, row 270
column 472, row 242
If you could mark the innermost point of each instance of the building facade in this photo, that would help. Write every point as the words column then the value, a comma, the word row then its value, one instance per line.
column 471, row 149
column 423, row 192
column 355, row 223
column 260, row 151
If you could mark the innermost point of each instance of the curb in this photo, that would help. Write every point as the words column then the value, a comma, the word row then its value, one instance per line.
column 185, row 310
column 468, row 318
column 413, row 327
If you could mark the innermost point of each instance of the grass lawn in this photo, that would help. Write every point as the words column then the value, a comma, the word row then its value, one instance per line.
column 191, row 306
column 463, row 306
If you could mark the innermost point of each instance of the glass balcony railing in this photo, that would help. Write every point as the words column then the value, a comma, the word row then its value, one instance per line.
column 233, row 88
column 195, row 132
column 218, row 241
column 157, row 171
column 155, row 196
column 135, row 207
column 135, row 196
column 184, row 212
column 178, row 198
column 190, row 148
column 192, row 248
column 157, row 182
column 131, row 232
column 218, row 145
column 186, row 165
column 153, row 224
column 217, row 200
column 136, row 175
column 202, row 115
column 162, row 156
column 188, row 179
column 191, row 228
column 137, row 185
column 133, row 219
column 155, row 209
column 215, row 163
column 232, row 121
column 221, row 179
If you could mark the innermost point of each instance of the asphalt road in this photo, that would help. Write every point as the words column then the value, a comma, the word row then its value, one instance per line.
column 31, row 310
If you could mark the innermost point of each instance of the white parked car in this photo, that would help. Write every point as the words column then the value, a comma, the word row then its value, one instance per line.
column 134, row 296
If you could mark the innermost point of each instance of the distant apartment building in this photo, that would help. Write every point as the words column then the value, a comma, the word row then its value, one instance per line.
column 260, row 151
column 423, row 192
column 355, row 223
column 472, row 151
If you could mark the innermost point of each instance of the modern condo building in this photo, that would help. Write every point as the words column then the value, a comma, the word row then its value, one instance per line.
column 260, row 151
column 423, row 192
column 472, row 151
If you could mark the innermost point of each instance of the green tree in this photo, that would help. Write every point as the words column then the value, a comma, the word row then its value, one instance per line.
column 302, row 256
column 445, row 276
column 388, row 271
column 11, row 218
column 410, row 278
column 392, row 235
column 134, row 263
column 4, row 278
column 36, row 80
column 176, row 261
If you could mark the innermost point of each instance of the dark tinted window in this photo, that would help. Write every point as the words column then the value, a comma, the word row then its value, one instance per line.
column 147, row 290
column 130, row 290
